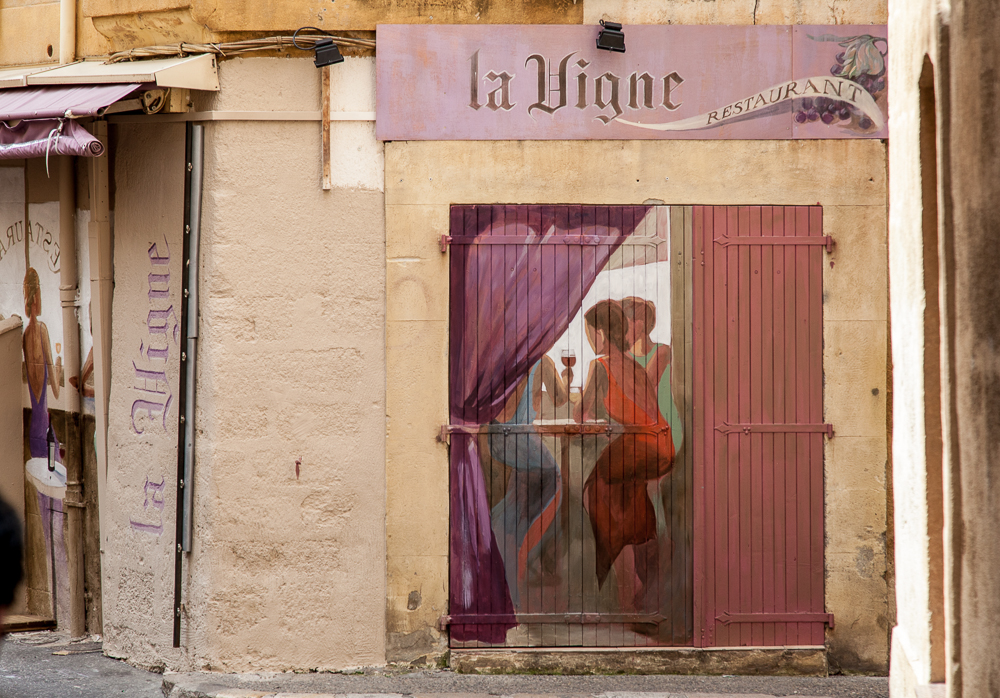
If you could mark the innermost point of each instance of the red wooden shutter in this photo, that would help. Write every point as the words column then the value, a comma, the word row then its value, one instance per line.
column 758, row 425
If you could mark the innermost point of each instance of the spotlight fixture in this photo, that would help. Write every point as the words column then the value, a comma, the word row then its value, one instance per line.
column 611, row 37
column 327, row 52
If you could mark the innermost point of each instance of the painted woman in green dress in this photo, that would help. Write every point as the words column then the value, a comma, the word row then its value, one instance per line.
column 654, row 357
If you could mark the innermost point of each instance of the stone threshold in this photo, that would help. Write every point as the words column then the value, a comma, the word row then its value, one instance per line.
column 771, row 661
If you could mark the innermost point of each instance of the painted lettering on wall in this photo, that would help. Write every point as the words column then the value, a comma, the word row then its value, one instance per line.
column 37, row 235
column 609, row 90
column 154, row 393
column 153, row 492
column 546, row 82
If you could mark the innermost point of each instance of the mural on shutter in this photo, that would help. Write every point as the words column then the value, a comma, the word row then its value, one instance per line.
column 636, row 426
column 758, row 425
column 570, row 512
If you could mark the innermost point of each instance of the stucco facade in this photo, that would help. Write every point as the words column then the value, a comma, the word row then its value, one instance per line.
column 321, row 523
column 943, row 233
column 425, row 178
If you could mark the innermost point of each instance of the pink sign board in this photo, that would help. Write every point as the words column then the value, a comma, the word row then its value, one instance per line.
column 550, row 82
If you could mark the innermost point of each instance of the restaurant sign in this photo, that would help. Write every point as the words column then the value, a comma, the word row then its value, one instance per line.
column 550, row 82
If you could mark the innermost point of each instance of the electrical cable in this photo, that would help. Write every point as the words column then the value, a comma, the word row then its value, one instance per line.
column 229, row 49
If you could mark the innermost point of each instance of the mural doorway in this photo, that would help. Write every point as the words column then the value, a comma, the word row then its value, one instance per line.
column 583, row 420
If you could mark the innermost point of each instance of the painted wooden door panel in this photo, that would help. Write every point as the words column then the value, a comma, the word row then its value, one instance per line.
column 636, row 426
column 758, row 413
column 571, row 512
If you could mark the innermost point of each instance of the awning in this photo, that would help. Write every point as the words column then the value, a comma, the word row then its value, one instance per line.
column 60, row 102
column 189, row 72
column 34, row 139
column 38, row 103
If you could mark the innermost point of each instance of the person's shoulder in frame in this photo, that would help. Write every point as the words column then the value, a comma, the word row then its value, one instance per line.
column 11, row 553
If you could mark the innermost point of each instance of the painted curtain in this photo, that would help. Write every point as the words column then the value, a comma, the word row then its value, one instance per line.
column 518, row 276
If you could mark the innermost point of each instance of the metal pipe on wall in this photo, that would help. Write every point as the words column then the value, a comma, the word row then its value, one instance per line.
column 101, row 289
column 67, row 31
column 197, row 162
column 189, row 323
column 68, row 295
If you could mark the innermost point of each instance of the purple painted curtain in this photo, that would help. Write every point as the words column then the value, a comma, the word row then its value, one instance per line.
column 510, row 302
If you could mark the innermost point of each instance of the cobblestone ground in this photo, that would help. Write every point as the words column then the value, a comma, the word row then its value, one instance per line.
column 47, row 664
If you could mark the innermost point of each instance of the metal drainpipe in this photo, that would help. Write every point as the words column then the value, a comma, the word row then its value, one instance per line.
column 67, row 31
column 68, row 296
column 185, row 452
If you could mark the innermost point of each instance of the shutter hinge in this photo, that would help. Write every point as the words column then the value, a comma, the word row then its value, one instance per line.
column 726, row 618
column 825, row 240
column 445, row 241
column 727, row 428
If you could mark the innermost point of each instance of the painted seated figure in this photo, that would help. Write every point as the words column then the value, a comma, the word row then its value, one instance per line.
column 618, row 389
column 655, row 357
column 527, row 514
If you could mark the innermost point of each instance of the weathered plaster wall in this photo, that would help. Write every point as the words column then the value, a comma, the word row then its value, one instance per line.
column 138, row 551
column 736, row 11
column 915, row 659
column 847, row 177
column 290, row 503
column 289, row 494
column 114, row 25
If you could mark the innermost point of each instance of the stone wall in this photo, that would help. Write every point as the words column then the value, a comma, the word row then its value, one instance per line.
column 848, row 178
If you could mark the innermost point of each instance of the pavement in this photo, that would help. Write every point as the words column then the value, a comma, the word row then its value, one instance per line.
column 49, row 664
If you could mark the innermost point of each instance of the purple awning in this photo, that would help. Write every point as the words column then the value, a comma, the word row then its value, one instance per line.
column 44, row 137
column 61, row 101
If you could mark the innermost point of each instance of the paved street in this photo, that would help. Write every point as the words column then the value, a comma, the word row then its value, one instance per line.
column 31, row 668
column 46, row 665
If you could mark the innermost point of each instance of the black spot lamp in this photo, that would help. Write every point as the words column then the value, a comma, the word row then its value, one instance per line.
column 611, row 37
column 327, row 53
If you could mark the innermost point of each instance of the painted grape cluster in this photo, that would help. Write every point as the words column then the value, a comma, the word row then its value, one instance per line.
column 861, row 62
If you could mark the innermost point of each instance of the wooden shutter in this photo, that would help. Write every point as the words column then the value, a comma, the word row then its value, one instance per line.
column 758, row 425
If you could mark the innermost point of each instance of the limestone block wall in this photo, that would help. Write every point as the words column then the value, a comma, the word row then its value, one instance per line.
column 917, row 641
column 848, row 178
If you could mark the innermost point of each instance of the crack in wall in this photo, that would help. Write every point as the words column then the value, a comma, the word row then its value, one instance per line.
column 756, row 6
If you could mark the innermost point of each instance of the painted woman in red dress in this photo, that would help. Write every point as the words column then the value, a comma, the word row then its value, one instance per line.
column 618, row 389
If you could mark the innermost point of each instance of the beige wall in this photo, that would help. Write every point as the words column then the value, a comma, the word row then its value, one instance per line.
column 289, row 504
column 140, row 502
column 736, row 11
column 917, row 654
column 847, row 177
column 291, row 370
column 287, row 569
column 113, row 25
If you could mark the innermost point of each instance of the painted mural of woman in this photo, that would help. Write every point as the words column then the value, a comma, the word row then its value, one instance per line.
column 525, row 517
column 654, row 357
column 619, row 390
column 42, row 371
